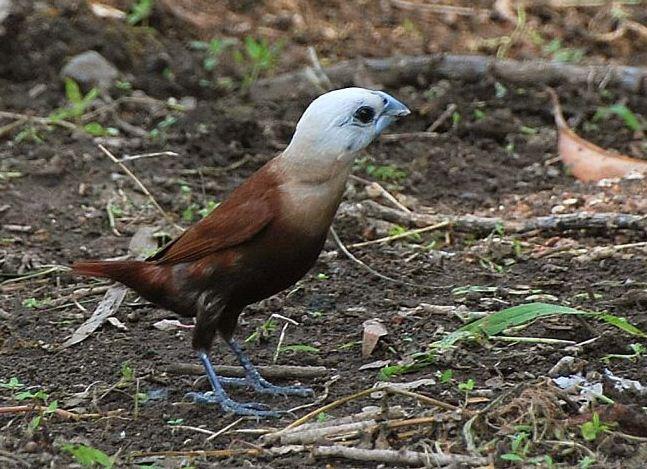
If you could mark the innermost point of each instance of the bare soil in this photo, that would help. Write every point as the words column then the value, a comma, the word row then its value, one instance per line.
column 495, row 157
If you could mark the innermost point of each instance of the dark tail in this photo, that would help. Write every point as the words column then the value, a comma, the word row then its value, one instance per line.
column 145, row 278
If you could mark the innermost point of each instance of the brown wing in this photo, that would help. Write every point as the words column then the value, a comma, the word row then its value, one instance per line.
column 247, row 211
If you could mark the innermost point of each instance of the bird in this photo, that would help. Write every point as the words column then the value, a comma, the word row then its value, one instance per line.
column 262, row 239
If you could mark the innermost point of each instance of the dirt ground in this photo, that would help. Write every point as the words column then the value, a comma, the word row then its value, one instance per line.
column 495, row 156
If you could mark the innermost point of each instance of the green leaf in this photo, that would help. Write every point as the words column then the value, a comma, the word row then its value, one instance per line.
column 421, row 361
column 299, row 348
column 629, row 117
column 24, row 395
column 511, row 457
column 467, row 385
column 88, row 456
column 52, row 407
column 141, row 10
column 13, row 383
column 34, row 424
column 95, row 129
column 72, row 91
column 631, row 120
column 497, row 322
column 621, row 323
column 446, row 376
column 589, row 431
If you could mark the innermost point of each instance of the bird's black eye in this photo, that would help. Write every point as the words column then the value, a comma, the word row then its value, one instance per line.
column 365, row 114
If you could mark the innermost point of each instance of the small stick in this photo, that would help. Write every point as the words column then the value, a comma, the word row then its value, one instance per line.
column 225, row 429
column 610, row 222
column 141, row 186
column 325, row 408
column 387, row 239
column 222, row 453
column 410, row 136
column 311, row 436
column 443, row 9
column 66, row 414
column 288, row 321
column 305, row 436
column 50, row 270
column 365, row 266
column 39, row 120
column 411, row 458
column 532, row 340
column 194, row 429
column 442, row 118
column 320, row 79
column 147, row 155
column 394, row 412
column 9, row 127
column 386, row 194
column 111, row 220
column 275, row 357
column 572, row 444
column 423, row 398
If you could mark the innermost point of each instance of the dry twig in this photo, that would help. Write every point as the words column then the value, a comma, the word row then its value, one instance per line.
column 141, row 186
column 65, row 414
column 486, row 225
column 370, row 269
column 395, row 71
column 409, row 458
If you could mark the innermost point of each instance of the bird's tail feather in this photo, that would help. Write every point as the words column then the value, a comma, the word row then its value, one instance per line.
column 145, row 278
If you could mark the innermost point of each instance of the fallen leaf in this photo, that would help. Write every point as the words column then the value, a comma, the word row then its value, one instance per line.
column 374, row 365
column 117, row 323
column 373, row 330
column 106, row 11
column 171, row 325
column 407, row 386
column 586, row 161
column 141, row 242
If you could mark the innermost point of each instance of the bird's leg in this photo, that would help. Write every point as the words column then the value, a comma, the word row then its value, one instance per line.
column 260, row 384
column 220, row 397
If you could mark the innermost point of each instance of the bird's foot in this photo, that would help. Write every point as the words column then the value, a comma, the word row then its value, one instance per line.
column 227, row 404
column 227, row 381
column 262, row 386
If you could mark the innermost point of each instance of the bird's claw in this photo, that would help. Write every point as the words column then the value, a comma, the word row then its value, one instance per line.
column 253, row 409
column 283, row 390
column 263, row 386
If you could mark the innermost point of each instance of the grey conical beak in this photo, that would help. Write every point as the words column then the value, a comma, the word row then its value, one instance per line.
column 395, row 108
column 392, row 110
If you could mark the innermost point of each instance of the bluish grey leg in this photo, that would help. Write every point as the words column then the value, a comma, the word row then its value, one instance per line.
column 220, row 397
column 260, row 384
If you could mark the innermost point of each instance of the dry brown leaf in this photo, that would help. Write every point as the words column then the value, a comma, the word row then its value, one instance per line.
column 586, row 161
column 171, row 325
column 373, row 330
column 141, row 243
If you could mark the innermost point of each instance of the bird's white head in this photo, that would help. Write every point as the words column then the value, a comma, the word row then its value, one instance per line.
column 342, row 122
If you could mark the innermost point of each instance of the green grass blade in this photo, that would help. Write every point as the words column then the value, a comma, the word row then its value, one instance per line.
column 622, row 323
column 497, row 322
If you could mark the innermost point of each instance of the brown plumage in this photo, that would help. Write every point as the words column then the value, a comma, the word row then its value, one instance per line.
column 265, row 236
column 246, row 250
